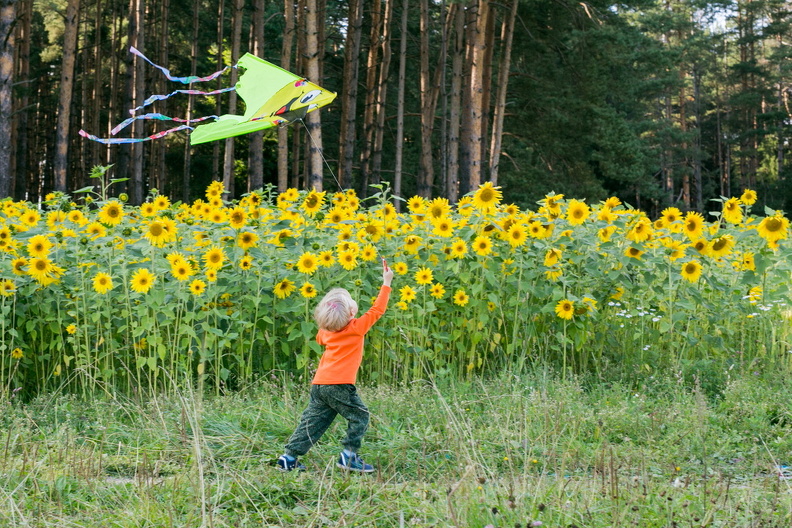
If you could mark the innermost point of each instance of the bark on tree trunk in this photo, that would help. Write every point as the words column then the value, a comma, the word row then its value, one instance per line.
column 348, row 132
column 369, row 114
column 22, row 73
column 476, row 108
column 382, row 91
column 313, row 120
column 7, row 16
column 458, row 55
column 425, row 169
column 397, row 173
column 500, row 98
column 283, row 132
column 136, row 190
column 185, row 191
column 236, row 37
column 256, row 149
column 61, row 160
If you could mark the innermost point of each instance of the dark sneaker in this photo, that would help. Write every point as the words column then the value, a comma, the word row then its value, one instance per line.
column 354, row 463
column 287, row 464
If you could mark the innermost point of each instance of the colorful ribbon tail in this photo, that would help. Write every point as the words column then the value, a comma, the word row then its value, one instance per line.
column 119, row 141
column 154, row 98
column 156, row 116
column 184, row 80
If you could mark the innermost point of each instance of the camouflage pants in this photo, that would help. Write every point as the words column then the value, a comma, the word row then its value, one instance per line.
column 327, row 401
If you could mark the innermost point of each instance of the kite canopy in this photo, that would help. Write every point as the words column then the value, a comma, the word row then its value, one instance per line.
column 272, row 96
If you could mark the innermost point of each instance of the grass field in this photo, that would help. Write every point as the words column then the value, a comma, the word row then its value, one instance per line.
column 529, row 450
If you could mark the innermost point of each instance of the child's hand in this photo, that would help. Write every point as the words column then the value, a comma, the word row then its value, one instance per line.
column 387, row 274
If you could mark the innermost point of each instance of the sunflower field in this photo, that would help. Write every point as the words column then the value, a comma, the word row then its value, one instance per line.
column 97, row 295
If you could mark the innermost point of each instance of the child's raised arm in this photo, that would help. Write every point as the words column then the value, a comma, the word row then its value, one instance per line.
column 387, row 274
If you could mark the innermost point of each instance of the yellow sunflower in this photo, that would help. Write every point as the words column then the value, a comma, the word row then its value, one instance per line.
column 142, row 280
column 7, row 288
column 565, row 309
column 443, row 226
column 246, row 262
column 691, row 270
column 605, row 233
column 102, row 283
column 577, row 212
column 747, row 263
column 30, row 217
column 284, row 288
column 486, row 197
column 407, row 294
column 182, row 270
column 438, row 208
column 17, row 353
column 111, row 213
column 417, row 204
column 633, row 252
column 307, row 263
column 237, row 217
column 437, row 290
column 19, row 266
column 39, row 246
column 721, row 246
column 424, row 276
column 552, row 256
column 458, row 249
column 197, row 287
column 748, row 197
column 214, row 258
column 536, row 229
column 400, row 268
column 313, row 202
column 482, row 245
column 641, row 231
column 461, row 298
column 95, row 230
column 148, row 209
column 308, row 290
column 368, row 253
column 347, row 259
column 157, row 234
column 693, row 225
column 732, row 212
column 412, row 243
column 773, row 228
column 247, row 239
column 516, row 235
column 326, row 258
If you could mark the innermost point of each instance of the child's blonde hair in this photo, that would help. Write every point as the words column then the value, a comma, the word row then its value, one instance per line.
column 335, row 310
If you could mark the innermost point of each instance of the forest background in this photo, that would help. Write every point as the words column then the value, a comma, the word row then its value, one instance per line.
column 660, row 103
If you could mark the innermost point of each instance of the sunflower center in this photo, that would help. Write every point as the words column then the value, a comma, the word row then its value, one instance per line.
column 487, row 196
column 156, row 229
column 773, row 225
column 719, row 244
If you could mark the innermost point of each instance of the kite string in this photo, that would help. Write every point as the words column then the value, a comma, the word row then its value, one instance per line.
column 321, row 153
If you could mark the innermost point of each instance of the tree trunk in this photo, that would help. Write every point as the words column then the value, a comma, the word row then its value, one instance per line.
column 136, row 190
column 458, row 56
column 397, row 173
column 256, row 154
column 348, row 132
column 61, row 160
column 7, row 16
column 466, row 123
column 476, row 109
column 313, row 122
column 22, row 51
column 160, row 176
column 185, row 191
column 283, row 132
column 216, row 145
column 500, row 98
column 382, row 91
column 369, row 113
column 236, row 37
column 425, row 168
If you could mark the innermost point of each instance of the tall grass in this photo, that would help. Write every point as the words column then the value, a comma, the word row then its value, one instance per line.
column 510, row 451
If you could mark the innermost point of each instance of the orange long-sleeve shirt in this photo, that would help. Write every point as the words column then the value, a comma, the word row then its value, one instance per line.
column 344, row 349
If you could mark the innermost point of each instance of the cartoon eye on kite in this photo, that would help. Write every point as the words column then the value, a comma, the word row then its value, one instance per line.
column 272, row 95
column 310, row 96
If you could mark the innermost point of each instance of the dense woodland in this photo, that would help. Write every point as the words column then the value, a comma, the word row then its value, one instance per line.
column 671, row 102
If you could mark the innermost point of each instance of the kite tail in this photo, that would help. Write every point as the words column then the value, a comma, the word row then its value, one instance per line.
column 160, row 117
